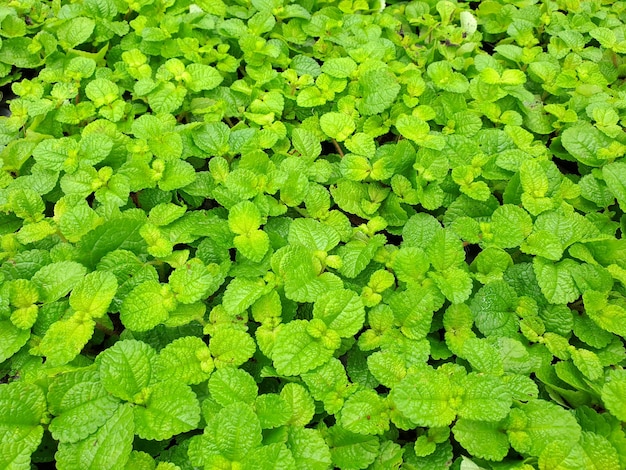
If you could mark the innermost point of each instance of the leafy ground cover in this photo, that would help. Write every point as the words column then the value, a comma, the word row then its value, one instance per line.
column 313, row 234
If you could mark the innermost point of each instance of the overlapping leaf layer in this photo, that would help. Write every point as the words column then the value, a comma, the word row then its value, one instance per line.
column 313, row 234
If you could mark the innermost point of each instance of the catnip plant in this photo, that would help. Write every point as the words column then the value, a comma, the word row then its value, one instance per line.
column 312, row 234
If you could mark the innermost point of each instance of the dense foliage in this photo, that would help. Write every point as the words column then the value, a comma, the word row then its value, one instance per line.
column 313, row 234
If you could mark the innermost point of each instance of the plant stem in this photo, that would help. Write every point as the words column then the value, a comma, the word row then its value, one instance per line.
column 338, row 147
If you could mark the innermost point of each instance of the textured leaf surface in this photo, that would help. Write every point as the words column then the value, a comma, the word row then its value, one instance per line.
column 170, row 408
column 229, row 385
column 57, row 279
column 296, row 351
column 80, row 405
column 424, row 397
column 341, row 310
column 485, row 398
column 22, row 406
column 613, row 393
column 66, row 338
column 485, row 440
column 593, row 452
column 186, row 359
column 533, row 425
column 109, row 448
column 126, row 368
column 144, row 308
column 309, row 449
column 94, row 293
column 12, row 339
column 351, row 451
column 230, row 435
column 231, row 347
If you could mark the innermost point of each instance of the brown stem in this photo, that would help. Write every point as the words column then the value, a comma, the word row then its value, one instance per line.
column 338, row 147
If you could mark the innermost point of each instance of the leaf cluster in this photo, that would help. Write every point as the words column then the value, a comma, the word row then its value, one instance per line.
column 317, row 234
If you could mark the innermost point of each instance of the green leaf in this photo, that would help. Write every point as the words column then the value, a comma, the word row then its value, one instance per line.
column 365, row 412
column 532, row 426
column 166, row 98
column 534, row 179
column 456, row 284
column 231, row 434
column 543, row 243
column 615, row 176
column 241, row 293
column 593, row 452
column 493, row 308
column 443, row 77
column 337, row 126
column 108, row 448
column 78, row 221
column 244, row 218
column 303, row 280
column 80, row 404
column 324, row 382
column 213, row 138
column 126, row 368
column 272, row 410
column 445, row 250
column 341, row 310
column 12, row 339
column 556, row 281
column 231, row 347
column 588, row 363
column 482, row 439
column 387, row 367
column 420, row 230
column 296, row 351
column 351, row 451
column 609, row 317
column 379, row 89
column 166, row 213
column 177, row 174
column 57, row 279
column 308, row 449
column 65, row 339
column 146, row 306
column 27, row 205
column 482, row 355
column 229, row 386
column 193, row 281
column 356, row 255
column 22, row 408
column 425, row 397
column 340, row 67
column 306, row 143
column 170, row 408
column 413, row 311
column 361, row 144
column 583, row 141
column 75, row 31
column 253, row 245
column 185, row 359
column 94, row 293
column 203, row 77
column 485, row 398
column 119, row 233
column 299, row 402
column 413, row 128
column 613, row 393
column 270, row 457
column 102, row 91
column 313, row 235
column 510, row 226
